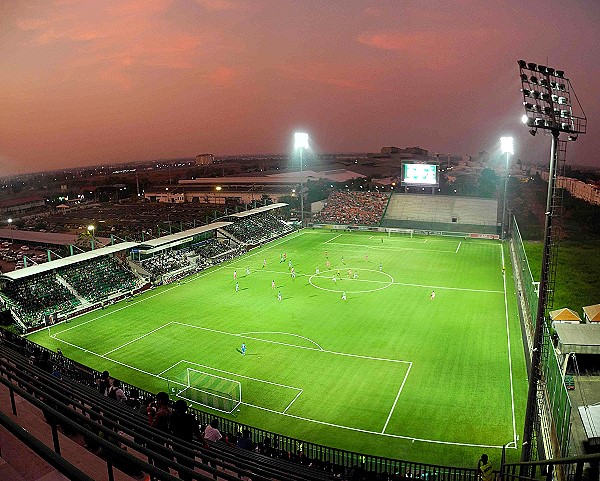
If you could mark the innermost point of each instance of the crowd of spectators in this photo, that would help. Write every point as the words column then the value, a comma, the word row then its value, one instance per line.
column 258, row 228
column 33, row 298
column 349, row 208
column 166, row 261
column 99, row 278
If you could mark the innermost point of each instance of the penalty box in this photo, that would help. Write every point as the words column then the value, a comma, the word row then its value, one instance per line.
column 286, row 378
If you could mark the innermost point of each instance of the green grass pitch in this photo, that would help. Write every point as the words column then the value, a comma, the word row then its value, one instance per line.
column 389, row 371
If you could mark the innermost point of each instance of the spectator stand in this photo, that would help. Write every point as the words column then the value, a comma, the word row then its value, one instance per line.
column 353, row 208
column 257, row 226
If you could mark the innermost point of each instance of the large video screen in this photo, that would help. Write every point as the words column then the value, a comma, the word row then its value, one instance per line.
column 419, row 174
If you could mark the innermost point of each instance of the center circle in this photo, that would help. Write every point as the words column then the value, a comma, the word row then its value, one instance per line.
column 324, row 281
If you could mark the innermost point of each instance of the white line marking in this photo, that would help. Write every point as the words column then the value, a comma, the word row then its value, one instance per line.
column 333, row 238
column 448, row 288
column 293, row 345
column 458, row 247
column 241, row 375
column 138, row 338
column 290, row 404
column 170, row 367
column 512, row 393
column 286, row 333
column 393, row 248
column 349, row 428
column 425, row 241
column 396, row 400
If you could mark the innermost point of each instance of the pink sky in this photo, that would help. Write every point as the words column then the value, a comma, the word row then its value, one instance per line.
column 89, row 82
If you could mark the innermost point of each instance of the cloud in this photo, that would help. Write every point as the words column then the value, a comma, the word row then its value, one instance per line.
column 223, row 5
column 373, row 12
column 223, row 76
column 333, row 75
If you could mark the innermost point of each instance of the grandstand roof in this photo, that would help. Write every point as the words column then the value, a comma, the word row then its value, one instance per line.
column 258, row 210
column 66, row 261
column 590, row 416
column 180, row 236
column 564, row 314
column 578, row 338
column 592, row 312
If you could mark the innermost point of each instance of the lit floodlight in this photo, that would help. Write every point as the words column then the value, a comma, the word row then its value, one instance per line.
column 524, row 119
column 91, row 228
column 9, row 220
column 506, row 145
column 300, row 140
column 218, row 187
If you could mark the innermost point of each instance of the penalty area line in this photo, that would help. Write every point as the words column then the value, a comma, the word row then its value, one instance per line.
column 138, row 338
column 396, row 400
column 290, row 404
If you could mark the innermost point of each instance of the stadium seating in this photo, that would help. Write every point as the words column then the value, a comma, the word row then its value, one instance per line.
column 35, row 296
column 257, row 229
column 166, row 261
column 349, row 208
column 99, row 278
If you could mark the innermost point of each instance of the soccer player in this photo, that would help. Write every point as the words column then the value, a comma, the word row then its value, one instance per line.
column 273, row 284
column 247, row 271
column 317, row 271
column 367, row 257
column 326, row 255
column 235, row 275
column 278, row 295
column 237, row 287
column 344, row 296
column 380, row 267
column 355, row 275
column 328, row 264
column 281, row 258
column 290, row 264
column 349, row 273
column 264, row 263
column 293, row 273
column 343, row 260
column 338, row 273
column 334, row 279
column 243, row 349
column 433, row 295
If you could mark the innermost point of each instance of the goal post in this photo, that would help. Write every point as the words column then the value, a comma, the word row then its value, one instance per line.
column 393, row 231
column 210, row 390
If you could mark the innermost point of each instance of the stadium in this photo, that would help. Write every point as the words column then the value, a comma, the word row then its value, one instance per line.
column 385, row 335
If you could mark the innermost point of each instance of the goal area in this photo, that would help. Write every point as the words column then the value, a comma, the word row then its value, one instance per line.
column 209, row 390
column 392, row 231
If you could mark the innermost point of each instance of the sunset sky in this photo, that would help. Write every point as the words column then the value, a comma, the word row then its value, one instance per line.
column 101, row 81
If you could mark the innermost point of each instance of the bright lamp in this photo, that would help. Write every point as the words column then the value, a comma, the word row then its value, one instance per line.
column 300, row 140
column 506, row 145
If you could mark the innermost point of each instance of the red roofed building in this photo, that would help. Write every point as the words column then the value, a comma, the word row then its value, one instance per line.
column 22, row 204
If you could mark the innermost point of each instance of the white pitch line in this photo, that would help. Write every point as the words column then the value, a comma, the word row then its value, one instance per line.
column 512, row 393
column 333, row 238
column 349, row 428
column 170, row 367
column 393, row 248
column 367, row 431
column 241, row 375
column 290, row 404
column 460, row 242
column 448, row 288
column 294, row 345
column 287, row 333
column 138, row 338
column 396, row 400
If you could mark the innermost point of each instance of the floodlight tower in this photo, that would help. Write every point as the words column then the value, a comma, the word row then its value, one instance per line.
column 549, row 101
column 506, row 145
column 301, row 143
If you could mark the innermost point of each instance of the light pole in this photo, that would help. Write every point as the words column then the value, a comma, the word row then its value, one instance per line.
column 10, row 229
column 91, row 229
column 301, row 143
column 549, row 106
column 506, row 145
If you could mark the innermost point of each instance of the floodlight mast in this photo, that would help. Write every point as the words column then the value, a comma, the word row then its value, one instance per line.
column 506, row 145
column 548, row 105
column 301, row 143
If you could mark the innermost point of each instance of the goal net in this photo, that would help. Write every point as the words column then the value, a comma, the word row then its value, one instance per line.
column 210, row 390
column 392, row 231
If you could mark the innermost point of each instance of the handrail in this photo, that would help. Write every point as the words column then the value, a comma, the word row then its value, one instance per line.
column 43, row 451
column 106, row 430
column 120, row 422
column 324, row 454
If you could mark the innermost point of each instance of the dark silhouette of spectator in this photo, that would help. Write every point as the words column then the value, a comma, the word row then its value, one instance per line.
column 484, row 469
column 102, row 383
column 159, row 419
column 185, row 427
column 245, row 442
column 133, row 401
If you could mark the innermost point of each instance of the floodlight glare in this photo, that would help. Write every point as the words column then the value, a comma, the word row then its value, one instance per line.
column 524, row 119
column 506, row 145
column 91, row 228
column 300, row 140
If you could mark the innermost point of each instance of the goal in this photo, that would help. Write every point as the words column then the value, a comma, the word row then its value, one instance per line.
column 210, row 390
column 392, row 231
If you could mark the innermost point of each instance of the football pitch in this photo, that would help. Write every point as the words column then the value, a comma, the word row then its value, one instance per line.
column 388, row 371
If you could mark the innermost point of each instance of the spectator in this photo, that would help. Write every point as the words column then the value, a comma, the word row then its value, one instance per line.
column 363, row 208
column 211, row 433
column 184, row 426
column 484, row 469
column 134, row 400
column 162, row 414
column 102, row 383
column 245, row 442
column 115, row 391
